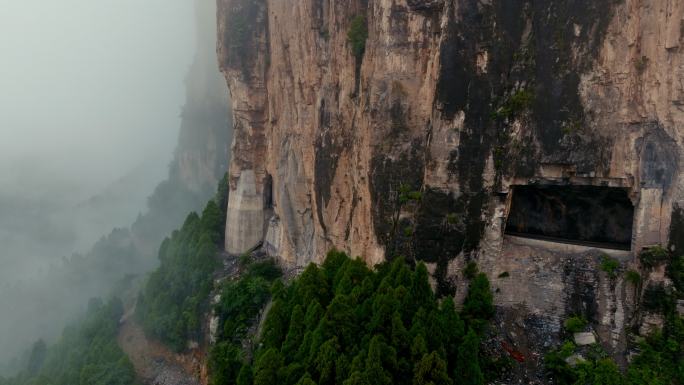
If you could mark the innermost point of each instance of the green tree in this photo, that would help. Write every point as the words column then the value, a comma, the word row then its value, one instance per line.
column 603, row 372
column 431, row 370
column 418, row 347
column 340, row 318
column 345, row 324
column 400, row 337
column 312, row 286
column 245, row 377
column 225, row 362
column 379, row 354
column 357, row 36
column 357, row 378
column 325, row 362
column 212, row 222
column 87, row 353
column 451, row 327
column 276, row 324
column 479, row 302
column 295, row 334
column 267, row 367
column 421, row 291
column 333, row 263
column 468, row 370
column 306, row 380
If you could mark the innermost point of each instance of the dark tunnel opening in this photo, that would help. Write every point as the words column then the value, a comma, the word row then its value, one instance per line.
column 585, row 215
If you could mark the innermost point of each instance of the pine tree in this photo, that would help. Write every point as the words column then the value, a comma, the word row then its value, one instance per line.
column 312, row 285
column 421, row 290
column 225, row 362
column 451, row 327
column 341, row 320
column 478, row 305
column 431, row 370
column 401, row 338
column 276, row 325
column 212, row 222
column 267, row 367
column 245, row 377
column 400, row 274
column 418, row 347
column 296, row 333
column 357, row 378
column 378, row 355
column 384, row 306
column 333, row 263
column 342, row 368
column 468, row 370
column 306, row 380
column 325, row 362
column 292, row 373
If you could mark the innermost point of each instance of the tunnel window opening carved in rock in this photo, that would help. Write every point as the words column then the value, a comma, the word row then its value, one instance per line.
column 585, row 215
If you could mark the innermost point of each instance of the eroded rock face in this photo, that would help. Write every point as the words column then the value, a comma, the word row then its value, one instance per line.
column 413, row 148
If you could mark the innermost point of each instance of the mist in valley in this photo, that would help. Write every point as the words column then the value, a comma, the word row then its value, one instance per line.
column 97, row 99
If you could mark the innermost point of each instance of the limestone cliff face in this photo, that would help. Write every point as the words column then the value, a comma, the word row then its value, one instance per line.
column 415, row 147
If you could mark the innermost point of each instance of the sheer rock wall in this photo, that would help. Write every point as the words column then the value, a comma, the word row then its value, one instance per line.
column 414, row 148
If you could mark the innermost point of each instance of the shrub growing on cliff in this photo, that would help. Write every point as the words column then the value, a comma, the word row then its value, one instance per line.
column 659, row 362
column 610, row 266
column 633, row 277
column 653, row 257
column 575, row 324
column 470, row 270
column 357, row 36
column 517, row 103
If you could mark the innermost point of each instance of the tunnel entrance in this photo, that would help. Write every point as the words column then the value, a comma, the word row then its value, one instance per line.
column 585, row 215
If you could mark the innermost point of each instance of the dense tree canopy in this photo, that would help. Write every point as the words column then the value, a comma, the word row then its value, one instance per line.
column 87, row 353
column 175, row 297
column 343, row 323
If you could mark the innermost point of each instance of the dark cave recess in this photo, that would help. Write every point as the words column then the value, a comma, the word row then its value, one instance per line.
column 585, row 215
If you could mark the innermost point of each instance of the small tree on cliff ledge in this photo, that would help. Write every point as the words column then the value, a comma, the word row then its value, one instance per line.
column 357, row 35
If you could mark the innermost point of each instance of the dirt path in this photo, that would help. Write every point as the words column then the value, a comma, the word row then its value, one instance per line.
column 154, row 363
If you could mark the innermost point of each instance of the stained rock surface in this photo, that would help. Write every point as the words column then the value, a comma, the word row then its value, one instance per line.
column 415, row 145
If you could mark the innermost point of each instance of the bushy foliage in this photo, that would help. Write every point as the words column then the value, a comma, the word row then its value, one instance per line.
column 660, row 358
column 176, row 294
column 343, row 323
column 653, row 257
column 470, row 270
column 357, row 36
column 633, row 277
column 610, row 266
column 660, row 362
column 575, row 324
column 517, row 103
column 241, row 301
column 87, row 353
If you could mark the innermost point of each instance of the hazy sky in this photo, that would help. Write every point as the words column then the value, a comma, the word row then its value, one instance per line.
column 89, row 89
column 90, row 100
